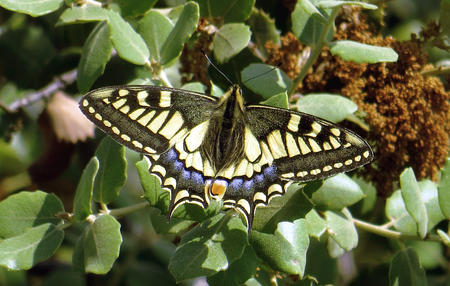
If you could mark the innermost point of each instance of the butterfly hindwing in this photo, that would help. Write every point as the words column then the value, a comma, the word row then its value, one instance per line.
column 147, row 119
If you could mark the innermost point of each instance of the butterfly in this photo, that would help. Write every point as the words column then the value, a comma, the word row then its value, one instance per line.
column 204, row 148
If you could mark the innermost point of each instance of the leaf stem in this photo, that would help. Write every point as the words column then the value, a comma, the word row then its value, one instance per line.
column 382, row 231
column 315, row 51
column 126, row 210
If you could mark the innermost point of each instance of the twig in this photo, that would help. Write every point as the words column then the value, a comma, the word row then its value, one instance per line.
column 437, row 71
column 30, row 98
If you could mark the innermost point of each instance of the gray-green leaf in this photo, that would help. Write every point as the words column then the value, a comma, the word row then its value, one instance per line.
column 230, row 40
column 83, row 194
column 405, row 269
column 362, row 53
column 32, row 7
column 332, row 107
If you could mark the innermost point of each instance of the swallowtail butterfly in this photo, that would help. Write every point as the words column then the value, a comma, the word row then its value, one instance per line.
column 204, row 148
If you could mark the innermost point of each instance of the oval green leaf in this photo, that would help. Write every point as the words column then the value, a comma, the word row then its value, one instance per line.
column 112, row 172
column 32, row 7
column 154, row 29
column 129, row 45
column 25, row 210
column 265, row 80
column 209, row 248
column 33, row 246
column 341, row 229
column 83, row 195
column 82, row 14
column 185, row 26
column 334, row 3
column 102, row 244
column 413, row 202
column 230, row 40
column 96, row 53
column 331, row 107
column 278, row 100
column 362, row 53
column 337, row 192
column 263, row 30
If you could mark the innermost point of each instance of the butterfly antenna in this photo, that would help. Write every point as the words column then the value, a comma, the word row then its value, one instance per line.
column 261, row 74
column 216, row 68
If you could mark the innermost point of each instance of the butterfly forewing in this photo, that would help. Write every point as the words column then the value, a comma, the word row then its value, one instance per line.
column 147, row 119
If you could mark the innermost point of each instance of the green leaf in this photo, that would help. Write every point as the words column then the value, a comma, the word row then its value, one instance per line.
column 230, row 11
column 337, row 192
column 413, row 202
column 102, row 244
column 78, row 252
column 83, row 194
column 82, row 15
column 265, row 80
column 341, row 229
column 112, row 174
column 129, row 45
column 315, row 223
column 370, row 195
column 334, row 250
column 194, row 86
column 444, row 186
column 96, row 52
column 209, row 248
column 239, row 271
column 286, row 249
column 308, row 22
column 153, row 192
column 24, row 210
column 133, row 8
column 154, row 29
column 31, row 247
column 332, row 107
column 430, row 253
column 362, row 53
column 263, row 30
column 230, row 40
column 405, row 269
column 32, row 7
column 185, row 26
column 278, row 100
column 334, row 3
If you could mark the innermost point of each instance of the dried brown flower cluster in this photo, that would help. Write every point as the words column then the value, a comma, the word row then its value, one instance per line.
column 193, row 63
column 408, row 113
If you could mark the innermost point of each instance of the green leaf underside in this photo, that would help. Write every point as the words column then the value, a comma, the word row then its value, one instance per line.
column 36, row 244
column 111, row 175
column 102, row 244
column 95, row 55
column 331, row 107
column 22, row 211
column 231, row 11
column 362, row 53
column 278, row 100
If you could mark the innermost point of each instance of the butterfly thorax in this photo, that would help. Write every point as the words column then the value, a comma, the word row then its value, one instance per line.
column 224, row 143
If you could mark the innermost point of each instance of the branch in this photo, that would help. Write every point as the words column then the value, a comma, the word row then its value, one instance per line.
column 30, row 98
